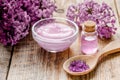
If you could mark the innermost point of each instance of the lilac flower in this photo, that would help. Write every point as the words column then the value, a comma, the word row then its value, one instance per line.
column 102, row 14
column 78, row 66
column 16, row 16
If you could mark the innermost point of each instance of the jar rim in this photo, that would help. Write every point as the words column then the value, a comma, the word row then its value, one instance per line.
column 54, row 40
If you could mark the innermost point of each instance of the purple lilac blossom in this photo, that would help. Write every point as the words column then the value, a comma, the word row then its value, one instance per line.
column 78, row 66
column 16, row 16
column 102, row 14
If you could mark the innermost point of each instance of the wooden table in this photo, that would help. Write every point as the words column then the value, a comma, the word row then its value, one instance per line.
column 27, row 61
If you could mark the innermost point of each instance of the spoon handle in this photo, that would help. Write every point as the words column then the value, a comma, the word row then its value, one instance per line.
column 112, row 47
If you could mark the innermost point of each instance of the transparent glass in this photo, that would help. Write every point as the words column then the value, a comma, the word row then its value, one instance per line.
column 60, row 4
column 89, row 42
column 56, row 43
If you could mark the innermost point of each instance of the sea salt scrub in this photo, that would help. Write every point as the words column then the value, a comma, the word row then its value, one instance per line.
column 78, row 66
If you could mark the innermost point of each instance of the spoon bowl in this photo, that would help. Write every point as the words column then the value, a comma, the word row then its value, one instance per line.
column 87, row 58
column 92, row 60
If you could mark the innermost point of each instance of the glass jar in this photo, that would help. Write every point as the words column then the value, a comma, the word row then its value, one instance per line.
column 89, row 41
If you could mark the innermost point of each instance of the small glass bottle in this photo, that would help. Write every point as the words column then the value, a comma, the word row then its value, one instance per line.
column 89, row 41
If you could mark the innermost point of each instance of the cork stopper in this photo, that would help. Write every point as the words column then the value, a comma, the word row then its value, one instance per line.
column 89, row 26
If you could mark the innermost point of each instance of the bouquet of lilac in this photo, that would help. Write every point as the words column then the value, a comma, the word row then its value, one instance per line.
column 102, row 14
column 16, row 16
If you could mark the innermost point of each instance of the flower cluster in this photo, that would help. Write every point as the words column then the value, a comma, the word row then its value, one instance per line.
column 78, row 66
column 16, row 16
column 102, row 14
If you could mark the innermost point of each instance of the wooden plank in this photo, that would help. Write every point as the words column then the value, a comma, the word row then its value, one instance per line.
column 5, row 54
column 30, row 62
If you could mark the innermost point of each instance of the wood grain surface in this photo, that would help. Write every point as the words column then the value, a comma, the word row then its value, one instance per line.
column 5, row 55
column 30, row 62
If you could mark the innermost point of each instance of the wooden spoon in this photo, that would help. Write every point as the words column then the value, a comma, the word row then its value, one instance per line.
column 92, row 60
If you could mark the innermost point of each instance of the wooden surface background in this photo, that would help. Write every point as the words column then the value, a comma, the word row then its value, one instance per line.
column 27, row 61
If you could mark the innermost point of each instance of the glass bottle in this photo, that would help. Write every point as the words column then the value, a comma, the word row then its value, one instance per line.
column 89, row 41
